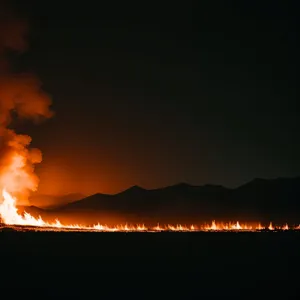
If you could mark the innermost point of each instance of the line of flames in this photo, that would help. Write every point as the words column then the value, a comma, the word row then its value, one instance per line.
column 10, row 216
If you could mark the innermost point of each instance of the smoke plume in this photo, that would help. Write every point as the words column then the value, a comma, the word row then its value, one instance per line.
column 21, row 96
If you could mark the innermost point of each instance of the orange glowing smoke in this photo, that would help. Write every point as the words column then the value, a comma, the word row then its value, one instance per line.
column 21, row 96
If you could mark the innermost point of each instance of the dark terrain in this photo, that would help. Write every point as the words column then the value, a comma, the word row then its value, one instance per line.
column 157, row 265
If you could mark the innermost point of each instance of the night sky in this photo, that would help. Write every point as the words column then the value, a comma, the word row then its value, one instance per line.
column 157, row 94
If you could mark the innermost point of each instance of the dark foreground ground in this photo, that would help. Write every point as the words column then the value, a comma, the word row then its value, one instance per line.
column 150, row 265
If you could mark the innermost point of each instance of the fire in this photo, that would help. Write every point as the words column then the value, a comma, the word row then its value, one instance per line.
column 230, row 226
column 10, row 216
column 259, row 227
column 22, row 96
column 213, row 226
column 17, row 178
column 285, row 227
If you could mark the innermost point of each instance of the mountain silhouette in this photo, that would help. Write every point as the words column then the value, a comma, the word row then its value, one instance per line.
column 258, row 200
column 52, row 201
column 133, row 190
column 173, row 203
column 275, row 198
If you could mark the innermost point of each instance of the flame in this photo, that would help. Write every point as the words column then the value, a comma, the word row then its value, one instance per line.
column 259, row 227
column 158, row 228
column 10, row 216
column 230, row 226
column 271, row 226
column 285, row 227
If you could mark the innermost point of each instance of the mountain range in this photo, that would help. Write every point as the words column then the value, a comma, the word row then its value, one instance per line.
column 53, row 201
column 258, row 200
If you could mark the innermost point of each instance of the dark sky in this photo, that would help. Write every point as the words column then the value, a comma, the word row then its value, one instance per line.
column 158, row 94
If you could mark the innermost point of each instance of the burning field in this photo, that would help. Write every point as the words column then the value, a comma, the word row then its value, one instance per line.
column 12, row 219
column 22, row 97
column 208, row 258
